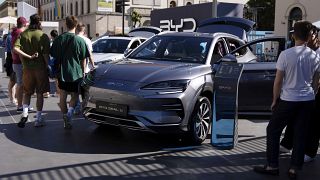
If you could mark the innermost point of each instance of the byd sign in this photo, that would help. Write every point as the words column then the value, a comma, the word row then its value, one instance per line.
column 185, row 25
column 186, row 18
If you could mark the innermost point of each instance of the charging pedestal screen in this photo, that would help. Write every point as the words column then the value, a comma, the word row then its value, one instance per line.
column 224, row 133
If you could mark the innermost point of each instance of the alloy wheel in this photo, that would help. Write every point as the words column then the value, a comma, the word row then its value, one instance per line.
column 203, row 120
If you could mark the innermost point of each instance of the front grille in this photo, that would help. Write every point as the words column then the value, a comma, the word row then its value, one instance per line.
column 129, row 122
column 129, row 117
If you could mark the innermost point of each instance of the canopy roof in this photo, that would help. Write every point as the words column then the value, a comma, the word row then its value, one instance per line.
column 8, row 20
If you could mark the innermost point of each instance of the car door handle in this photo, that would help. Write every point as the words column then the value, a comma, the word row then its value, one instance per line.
column 269, row 75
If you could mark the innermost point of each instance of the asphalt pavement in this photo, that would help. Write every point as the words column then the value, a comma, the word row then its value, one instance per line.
column 90, row 152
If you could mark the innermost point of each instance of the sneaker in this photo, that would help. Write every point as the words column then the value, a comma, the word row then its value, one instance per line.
column 30, row 109
column 266, row 170
column 67, row 122
column 39, row 122
column 284, row 149
column 22, row 122
column 308, row 158
column 20, row 109
column 46, row 95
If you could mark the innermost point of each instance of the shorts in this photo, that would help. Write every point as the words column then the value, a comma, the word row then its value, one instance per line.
column 69, row 86
column 17, row 68
column 35, row 79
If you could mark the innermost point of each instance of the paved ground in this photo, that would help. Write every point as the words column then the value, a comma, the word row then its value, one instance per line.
column 89, row 152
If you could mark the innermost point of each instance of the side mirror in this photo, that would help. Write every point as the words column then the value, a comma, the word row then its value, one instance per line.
column 229, row 58
column 127, row 52
column 214, row 68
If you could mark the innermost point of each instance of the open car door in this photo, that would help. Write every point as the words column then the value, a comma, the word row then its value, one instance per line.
column 256, row 84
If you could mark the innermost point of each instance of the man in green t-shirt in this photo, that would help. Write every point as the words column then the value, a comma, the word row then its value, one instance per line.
column 70, row 52
column 33, row 46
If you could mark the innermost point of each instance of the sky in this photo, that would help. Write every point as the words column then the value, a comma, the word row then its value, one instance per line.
column 1, row 1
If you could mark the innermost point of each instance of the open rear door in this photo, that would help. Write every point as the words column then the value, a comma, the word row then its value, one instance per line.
column 145, row 32
column 232, row 25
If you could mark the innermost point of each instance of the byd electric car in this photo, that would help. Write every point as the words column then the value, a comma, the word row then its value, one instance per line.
column 166, row 84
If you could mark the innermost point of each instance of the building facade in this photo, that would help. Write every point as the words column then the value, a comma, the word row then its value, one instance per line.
column 105, row 16
column 288, row 12
column 8, row 8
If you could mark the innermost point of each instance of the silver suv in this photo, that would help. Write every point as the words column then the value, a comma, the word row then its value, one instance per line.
column 166, row 84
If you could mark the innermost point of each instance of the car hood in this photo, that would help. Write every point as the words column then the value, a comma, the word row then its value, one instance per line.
column 150, row 71
column 106, row 57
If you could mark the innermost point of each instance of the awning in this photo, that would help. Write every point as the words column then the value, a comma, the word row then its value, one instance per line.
column 8, row 20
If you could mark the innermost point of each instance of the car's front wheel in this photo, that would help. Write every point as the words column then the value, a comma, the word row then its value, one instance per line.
column 200, row 120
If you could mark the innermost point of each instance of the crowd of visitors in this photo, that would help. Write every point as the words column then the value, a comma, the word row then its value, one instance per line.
column 33, row 58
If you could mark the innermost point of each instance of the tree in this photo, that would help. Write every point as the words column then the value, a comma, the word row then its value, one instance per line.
column 262, row 12
column 135, row 17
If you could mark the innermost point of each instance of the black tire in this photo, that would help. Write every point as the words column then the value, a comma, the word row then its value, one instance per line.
column 200, row 121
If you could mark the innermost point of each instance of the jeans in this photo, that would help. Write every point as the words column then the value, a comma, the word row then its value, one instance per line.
column 313, row 133
column 296, row 114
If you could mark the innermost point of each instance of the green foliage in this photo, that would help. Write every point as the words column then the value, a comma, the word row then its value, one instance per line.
column 135, row 17
column 265, row 10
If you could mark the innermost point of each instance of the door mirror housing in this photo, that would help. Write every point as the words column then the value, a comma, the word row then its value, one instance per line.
column 229, row 58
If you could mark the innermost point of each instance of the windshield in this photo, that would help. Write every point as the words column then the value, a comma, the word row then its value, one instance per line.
column 174, row 48
column 110, row 46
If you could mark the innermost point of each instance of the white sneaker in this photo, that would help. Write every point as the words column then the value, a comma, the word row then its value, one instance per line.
column 284, row 150
column 39, row 122
column 308, row 159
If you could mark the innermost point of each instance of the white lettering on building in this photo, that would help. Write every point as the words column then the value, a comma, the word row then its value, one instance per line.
column 169, row 25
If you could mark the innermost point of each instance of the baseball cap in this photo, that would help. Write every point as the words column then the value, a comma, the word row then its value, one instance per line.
column 22, row 20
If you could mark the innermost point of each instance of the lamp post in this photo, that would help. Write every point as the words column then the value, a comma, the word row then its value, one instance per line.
column 153, row 4
column 123, row 4
column 123, row 17
column 39, row 9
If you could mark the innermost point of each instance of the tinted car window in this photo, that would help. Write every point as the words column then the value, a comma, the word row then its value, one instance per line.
column 218, row 52
column 234, row 44
column 134, row 44
column 110, row 46
column 175, row 48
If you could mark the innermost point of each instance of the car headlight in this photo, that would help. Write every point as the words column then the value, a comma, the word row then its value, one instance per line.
column 175, row 86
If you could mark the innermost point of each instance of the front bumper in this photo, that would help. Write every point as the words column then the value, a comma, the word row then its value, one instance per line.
column 145, row 112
